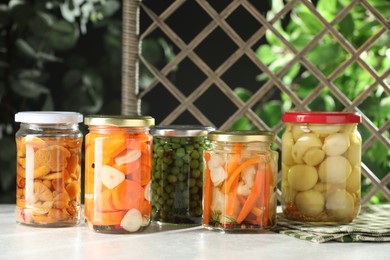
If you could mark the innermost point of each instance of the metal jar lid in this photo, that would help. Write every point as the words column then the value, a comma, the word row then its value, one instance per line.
column 119, row 120
column 49, row 117
column 241, row 136
column 181, row 130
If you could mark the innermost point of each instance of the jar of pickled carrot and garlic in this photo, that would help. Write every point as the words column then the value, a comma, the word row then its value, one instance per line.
column 321, row 155
column 118, row 155
column 240, row 181
column 48, row 168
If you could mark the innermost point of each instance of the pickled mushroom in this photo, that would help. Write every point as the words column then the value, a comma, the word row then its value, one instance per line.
column 334, row 169
column 302, row 177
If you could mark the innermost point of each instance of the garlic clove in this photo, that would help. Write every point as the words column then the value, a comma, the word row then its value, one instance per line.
column 336, row 144
column 334, row 169
column 302, row 177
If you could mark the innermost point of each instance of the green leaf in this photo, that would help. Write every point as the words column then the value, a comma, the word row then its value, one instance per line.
column 28, row 88
column 25, row 48
column 48, row 57
column 271, row 112
column 265, row 54
column 40, row 23
column 243, row 94
column 151, row 50
column 63, row 35
column 110, row 8
column 242, row 123
column 385, row 108
column 49, row 103
column 307, row 21
column 347, row 26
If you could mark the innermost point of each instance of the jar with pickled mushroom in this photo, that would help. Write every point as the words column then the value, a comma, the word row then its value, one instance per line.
column 177, row 173
column 48, row 168
column 240, row 181
column 321, row 172
column 118, row 160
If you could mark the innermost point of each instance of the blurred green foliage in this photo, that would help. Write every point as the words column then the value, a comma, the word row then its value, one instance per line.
column 60, row 55
column 300, row 28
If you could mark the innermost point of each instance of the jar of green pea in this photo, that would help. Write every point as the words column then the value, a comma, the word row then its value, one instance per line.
column 177, row 173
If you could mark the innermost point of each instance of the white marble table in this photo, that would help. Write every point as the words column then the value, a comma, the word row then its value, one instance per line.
column 23, row 242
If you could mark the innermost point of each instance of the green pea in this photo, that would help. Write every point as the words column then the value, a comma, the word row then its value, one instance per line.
column 182, row 176
column 192, row 182
column 193, row 204
column 194, row 164
column 175, row 170
column 172, row 178
column 189, row 148
column 160, row 151
column 179, row 162
column 195, row 155
column 194, row 190
column 199, row 183
column 180, row 152
column 195, row 173
column 170, row 202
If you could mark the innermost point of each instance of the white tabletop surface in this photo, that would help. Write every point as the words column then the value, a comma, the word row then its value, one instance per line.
column 79, row 242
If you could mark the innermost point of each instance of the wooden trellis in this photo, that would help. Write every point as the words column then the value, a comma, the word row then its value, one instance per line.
column 132, row 37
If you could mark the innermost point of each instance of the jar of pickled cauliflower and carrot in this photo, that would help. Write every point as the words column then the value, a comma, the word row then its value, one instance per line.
column 118, row 160
column 48, row 168
column 240, row 181
column 177, row 173
column 321, row 172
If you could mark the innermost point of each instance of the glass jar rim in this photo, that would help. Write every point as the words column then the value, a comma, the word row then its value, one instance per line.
column 119, row 120
column 321, row 117
column 181, row 130
column 241, row 136
column 48, row 117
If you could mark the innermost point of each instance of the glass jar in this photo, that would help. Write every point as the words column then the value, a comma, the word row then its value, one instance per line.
column 321, row 155
column 239, row 191
column 48, row 168
column 118, row 155
column 177, row 173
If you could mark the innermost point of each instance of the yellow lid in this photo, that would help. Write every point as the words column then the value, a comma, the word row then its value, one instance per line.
column 241, row 136
column 119, row 120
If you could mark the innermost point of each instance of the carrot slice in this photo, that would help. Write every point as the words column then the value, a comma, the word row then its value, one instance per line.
column 252, row 197
column 103, row 201
column 232, row 198
column 107, row 218
column 267, row 182
column 237, row 171
column 207, row 192
column 233, row 163
column 127, row 195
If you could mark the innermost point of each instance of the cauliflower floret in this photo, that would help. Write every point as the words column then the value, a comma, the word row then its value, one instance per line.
column 246, row 183
column 215, row 161
column 218, row 175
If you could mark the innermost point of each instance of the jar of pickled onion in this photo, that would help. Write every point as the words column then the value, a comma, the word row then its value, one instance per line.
column 118, row 156
column 48, row 168
column 240, row 181
column 321, row 172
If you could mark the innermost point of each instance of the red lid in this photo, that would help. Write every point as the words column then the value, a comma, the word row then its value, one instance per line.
column 321, row 117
